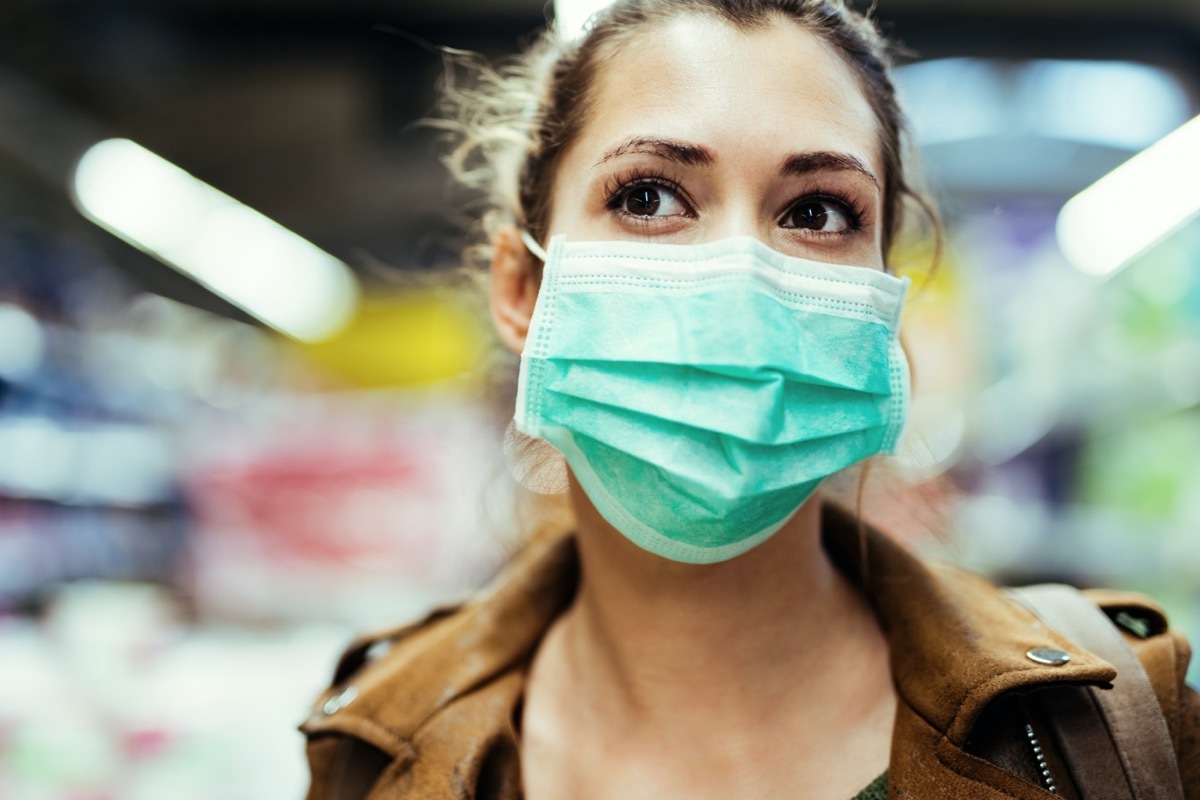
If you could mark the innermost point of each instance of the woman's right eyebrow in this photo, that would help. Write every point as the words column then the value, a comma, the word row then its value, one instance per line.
column 680, row 152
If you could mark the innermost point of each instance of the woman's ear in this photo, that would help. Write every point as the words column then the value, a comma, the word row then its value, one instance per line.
column 513, row 288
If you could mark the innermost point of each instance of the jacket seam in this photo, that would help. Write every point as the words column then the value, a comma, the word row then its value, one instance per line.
column 502, row 672
column 365, row 730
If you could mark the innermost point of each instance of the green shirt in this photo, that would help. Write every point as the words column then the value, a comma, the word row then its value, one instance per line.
column 876, row 791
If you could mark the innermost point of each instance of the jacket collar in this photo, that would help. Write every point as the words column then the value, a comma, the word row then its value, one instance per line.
column 956, row 641
column 398, row 681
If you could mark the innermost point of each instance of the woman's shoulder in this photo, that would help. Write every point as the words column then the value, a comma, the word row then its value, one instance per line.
column 1149, row 712
column 1162, row 651
column 974, row 663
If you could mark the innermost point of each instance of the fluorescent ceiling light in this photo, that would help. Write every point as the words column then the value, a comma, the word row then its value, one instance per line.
column 243, row 256
column 572, row 16
column 953, row 99
column 1111, row 103
column 1134, row 206
column 1119, row 104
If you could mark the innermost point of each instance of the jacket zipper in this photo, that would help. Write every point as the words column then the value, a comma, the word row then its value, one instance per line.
column 1043, row 767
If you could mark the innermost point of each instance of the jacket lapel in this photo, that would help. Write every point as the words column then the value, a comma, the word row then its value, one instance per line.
column 957, row 644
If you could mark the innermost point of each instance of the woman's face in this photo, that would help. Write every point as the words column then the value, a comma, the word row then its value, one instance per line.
column 700, row 131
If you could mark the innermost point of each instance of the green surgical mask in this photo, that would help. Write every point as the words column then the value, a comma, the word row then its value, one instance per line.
column 701, row 393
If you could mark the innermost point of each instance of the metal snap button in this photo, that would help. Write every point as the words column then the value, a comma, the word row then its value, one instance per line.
column 339, row 701
column 378, row 649
column 1050, row 656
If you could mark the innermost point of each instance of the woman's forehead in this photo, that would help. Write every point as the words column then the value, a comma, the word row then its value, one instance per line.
column 761, row 93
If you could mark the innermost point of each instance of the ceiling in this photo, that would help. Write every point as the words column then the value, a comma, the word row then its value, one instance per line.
column 308, row 109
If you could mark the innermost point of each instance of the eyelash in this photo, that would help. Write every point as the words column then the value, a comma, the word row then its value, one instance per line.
column 616, row 187
column 854, row 212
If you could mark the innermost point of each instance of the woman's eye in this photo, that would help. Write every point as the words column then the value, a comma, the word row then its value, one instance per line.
column 650, row 201
column 824, row 216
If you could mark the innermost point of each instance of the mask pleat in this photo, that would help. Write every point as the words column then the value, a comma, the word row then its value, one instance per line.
column 766, row 409
column 701, row 458
column 730, row 340
column 669, row 502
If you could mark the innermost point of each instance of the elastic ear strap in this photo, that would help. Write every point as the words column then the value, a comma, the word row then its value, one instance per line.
column 1130, row 709
column 533, row 246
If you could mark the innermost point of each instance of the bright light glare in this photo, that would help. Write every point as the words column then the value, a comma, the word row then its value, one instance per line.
column 22, row 343
column 1110, row 103
column 953, row 99
column 241, row 255
column 1118, row 104
column 1135, row 205
column 571, row 16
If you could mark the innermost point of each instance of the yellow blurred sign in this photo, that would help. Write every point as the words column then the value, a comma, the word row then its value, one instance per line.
column 406, row 338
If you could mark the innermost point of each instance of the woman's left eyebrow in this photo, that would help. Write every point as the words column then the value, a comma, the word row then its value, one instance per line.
column 802, row 164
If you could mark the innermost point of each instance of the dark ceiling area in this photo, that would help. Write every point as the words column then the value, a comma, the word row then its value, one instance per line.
column 309, row 110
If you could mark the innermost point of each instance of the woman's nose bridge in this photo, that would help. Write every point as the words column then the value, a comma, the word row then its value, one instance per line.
column 741, row 215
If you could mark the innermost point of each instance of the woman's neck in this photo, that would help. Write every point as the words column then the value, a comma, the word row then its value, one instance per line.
column 647, row 636
column 763, row 676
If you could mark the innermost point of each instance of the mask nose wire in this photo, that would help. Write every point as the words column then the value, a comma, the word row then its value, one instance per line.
column 533, row 247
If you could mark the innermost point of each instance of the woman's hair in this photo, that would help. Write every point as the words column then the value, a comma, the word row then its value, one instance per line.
column 513, row 124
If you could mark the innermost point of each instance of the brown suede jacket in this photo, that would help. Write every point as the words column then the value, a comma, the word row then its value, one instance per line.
column 430, row 711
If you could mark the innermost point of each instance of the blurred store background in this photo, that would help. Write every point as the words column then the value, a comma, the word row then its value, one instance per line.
column 208, row 482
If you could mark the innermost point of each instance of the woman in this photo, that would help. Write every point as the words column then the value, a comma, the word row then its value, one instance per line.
column 694, row 270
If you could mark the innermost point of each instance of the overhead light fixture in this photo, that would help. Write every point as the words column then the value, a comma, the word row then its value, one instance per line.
column 1120, row 104
column 1135, row 206
column 1123, row 105
column 571, row 17
column 238, row 253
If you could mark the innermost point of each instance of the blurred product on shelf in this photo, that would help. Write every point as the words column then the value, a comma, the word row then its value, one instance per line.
column 351, row 508
column 113, row 697
column 194, row 517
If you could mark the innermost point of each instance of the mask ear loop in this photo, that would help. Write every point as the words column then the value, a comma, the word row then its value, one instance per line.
column 532, row 245
column 534, row 463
